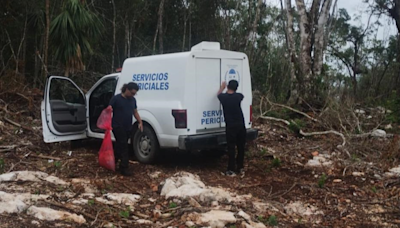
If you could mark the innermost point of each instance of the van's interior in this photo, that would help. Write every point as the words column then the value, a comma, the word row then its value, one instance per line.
column 67, row 106
column 99, row 100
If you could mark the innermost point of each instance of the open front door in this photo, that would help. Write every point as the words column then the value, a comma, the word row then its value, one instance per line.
column 63, row 111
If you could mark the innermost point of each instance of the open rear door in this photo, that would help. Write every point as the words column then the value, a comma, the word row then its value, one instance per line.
column 63, row 111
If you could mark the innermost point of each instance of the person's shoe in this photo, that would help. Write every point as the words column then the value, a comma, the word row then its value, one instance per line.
column 126, row 172
column 242, row 172
column 230, row 173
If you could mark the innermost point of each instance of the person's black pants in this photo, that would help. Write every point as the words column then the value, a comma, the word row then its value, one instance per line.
column 121, row 146
column 235, row 137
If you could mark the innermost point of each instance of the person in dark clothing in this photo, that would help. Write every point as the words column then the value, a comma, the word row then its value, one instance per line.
column 235, row 127
column 124, row 106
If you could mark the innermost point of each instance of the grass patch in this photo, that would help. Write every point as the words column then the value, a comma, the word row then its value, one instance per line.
column 276, row 162
column 125, row 213
column 57, row 164
column 172, row 205
column 91, row 202
column 2, row 165
column 322, row 181
column 296, row 125
column 355, row 158
column 271, row 221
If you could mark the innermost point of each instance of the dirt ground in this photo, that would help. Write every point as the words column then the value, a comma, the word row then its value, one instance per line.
column 351, row 191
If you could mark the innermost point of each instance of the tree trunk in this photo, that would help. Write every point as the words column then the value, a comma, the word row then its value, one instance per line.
column 378, row 84
column 394, row 12
column 24, row 58
column 320, row 37
column 293, row 92
column 251, row 37
column 127, row 38
column 329, row 27
column 36, row 69
column 398, row 62
column 253, row 33
column 46, row 39
column 184, row 30
column 190, row 33
column 312, row 26
column 354, row 80
column 160, row 30
column 114, row 36
column 186, row 15
column 305, row 48
column 155, row 39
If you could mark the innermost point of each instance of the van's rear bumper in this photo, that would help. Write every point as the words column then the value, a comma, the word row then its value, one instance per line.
column 208, row 141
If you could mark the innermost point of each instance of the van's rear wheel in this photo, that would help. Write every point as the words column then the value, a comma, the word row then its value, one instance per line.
column 145, row 145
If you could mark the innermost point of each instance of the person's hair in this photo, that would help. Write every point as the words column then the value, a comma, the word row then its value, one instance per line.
column 130, row 86
column 233, row 85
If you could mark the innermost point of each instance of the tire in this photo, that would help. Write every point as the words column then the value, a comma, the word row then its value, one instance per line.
column 145, row 145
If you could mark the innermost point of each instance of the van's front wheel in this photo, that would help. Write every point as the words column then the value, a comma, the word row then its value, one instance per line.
column 145, row 145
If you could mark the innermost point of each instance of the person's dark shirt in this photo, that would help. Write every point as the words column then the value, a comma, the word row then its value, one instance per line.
column 232, row 110
column 122, row 111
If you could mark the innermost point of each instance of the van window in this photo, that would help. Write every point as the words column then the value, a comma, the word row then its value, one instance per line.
column 64, row 90
column 99, row 100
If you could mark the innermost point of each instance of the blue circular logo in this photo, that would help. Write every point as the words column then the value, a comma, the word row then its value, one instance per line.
column 232, row 74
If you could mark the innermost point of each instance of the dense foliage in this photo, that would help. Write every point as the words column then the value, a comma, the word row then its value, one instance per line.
column 88, row 39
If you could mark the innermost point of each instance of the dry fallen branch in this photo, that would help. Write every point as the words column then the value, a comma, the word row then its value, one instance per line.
column 310, row 133
column 166, row 224
column 97, row 215
column 16, row 124
column 12, row 147
column 365, row 135
column 66, row 207
column 253, row 185
column 45, row 157
column 12, row 167
column 275, row 119
column 293, row 110
column 26, row 98
column 7, row 148
column 284, row 193
column 139, row 214
column 301, row 131
column 5, row 109
column 357, row 121
column 324, row 133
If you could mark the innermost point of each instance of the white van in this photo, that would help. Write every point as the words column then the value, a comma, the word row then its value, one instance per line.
column 177, row 101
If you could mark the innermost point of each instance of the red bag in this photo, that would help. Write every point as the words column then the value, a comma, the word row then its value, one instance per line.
column 106, row 153
column 105, row 118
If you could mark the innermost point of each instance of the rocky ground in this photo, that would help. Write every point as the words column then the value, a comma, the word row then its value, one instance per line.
column 289, row 182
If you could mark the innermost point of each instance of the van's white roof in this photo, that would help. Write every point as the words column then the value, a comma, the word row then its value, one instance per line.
column 203, row 47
